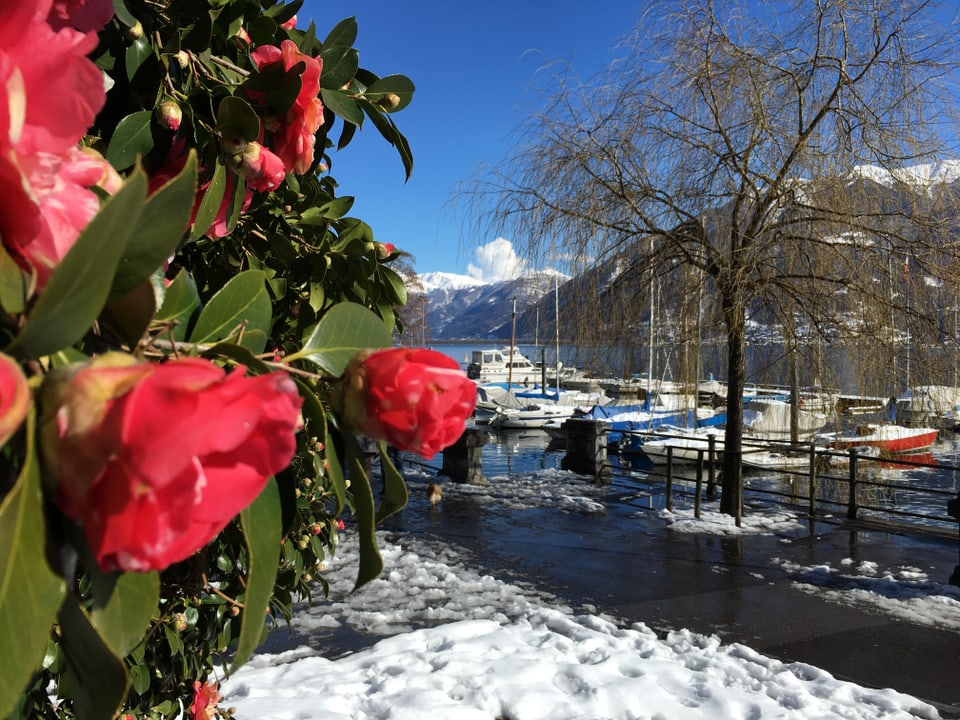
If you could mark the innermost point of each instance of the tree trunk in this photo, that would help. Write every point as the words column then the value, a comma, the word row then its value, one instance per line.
column 731, row 497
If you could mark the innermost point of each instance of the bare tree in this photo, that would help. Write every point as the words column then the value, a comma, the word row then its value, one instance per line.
column 763, row 153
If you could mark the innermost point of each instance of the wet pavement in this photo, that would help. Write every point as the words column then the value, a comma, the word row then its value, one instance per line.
column 628, row 564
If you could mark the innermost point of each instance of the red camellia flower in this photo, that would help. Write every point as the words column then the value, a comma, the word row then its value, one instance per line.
column 414, row 399
column 294, row 133
column 205, row 699
column 154, row 460
column 14, row 397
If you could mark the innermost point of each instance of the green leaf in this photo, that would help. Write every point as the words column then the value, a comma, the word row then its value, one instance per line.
column 397, row 85
column 242, row 304
column 390, row 133
column 262, row 531
column 123, row 14
column 30, row 592
column 138, row 51
column 210, row 205
column 316, row 415
column 398, row 288
column 281, row 13
column 196, row 38
column 332, row 210
column 239, row 354
column 345, row 330
column 342, row 105
column 236, row 119
column 79, row 286
column 159, row 231
column 130, row 315
column 339, row 68
column 371, row 564
column 179, row 303
column 13, row 284
column 279, row 87
column 238, row 190
column 262, row 30
column 343, row 35
column 133, row 137
column 97, row 677
column 123, row 618
column 395, row 493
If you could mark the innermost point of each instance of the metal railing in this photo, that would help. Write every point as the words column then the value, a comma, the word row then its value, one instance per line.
column 844, row 480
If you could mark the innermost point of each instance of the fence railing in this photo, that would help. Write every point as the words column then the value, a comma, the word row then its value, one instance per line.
column 861, row 485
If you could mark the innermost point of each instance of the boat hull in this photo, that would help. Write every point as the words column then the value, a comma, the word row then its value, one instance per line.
column 889, row 439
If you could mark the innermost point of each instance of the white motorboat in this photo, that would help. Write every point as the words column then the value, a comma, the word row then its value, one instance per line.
column 686, row 445
column 501, row 366
column 530, row 416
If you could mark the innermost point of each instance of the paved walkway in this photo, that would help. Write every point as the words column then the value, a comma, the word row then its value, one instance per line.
column 627, row 564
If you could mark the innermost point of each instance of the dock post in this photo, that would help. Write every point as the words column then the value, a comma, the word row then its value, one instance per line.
column 712, row 468
column 698, row 491
column 669, row 477
column 463, row 461
column 812, row 480
column 852, row 500
column 587, row 449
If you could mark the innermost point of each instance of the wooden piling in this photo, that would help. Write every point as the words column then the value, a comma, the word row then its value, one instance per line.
column 852, row 500
column 463, row 461
column 587, row 449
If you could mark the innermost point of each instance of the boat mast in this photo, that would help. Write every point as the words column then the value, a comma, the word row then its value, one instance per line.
column 513, row 339
column 556, row 325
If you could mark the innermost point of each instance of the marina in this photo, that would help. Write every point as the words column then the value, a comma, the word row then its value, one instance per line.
column 912, row 489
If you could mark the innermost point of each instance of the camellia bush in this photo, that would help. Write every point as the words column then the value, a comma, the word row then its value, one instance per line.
column 194, row 337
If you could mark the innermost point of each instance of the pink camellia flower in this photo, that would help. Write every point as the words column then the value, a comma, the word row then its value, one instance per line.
column 14, row 397
column 155, row 459
column 414, row 399
column 294, row 134
column 205, row 699
column 60, row 188
column 263, row 170
column 82, row 15
column 289, row 24
column 50, row 99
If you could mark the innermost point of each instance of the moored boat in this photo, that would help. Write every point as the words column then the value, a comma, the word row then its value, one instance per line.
column 500, row 366
column 686, row 445
column 530, row 416
column 890, row 439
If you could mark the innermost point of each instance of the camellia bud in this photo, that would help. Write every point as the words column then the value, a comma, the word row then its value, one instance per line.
column 385, row 250
column 389, row 101
column 135, row 31
column 233, row 146
column 169, row 115
column 183, row 59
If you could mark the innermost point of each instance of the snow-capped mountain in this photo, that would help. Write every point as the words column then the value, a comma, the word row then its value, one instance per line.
column 462, row 307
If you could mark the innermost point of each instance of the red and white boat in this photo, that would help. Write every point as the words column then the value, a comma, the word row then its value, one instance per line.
column 889, row 439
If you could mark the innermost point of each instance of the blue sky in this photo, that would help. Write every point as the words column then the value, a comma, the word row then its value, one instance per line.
column 475, row 66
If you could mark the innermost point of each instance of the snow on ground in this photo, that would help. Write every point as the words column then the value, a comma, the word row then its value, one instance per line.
column 465, row 645
column 903, row 592
column 715, row 523
column 549, row 488
column 518, row 657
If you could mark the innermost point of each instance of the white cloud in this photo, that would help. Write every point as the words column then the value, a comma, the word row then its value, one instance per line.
column 496, row 261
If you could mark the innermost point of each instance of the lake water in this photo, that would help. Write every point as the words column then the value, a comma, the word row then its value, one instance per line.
column 904, row 487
